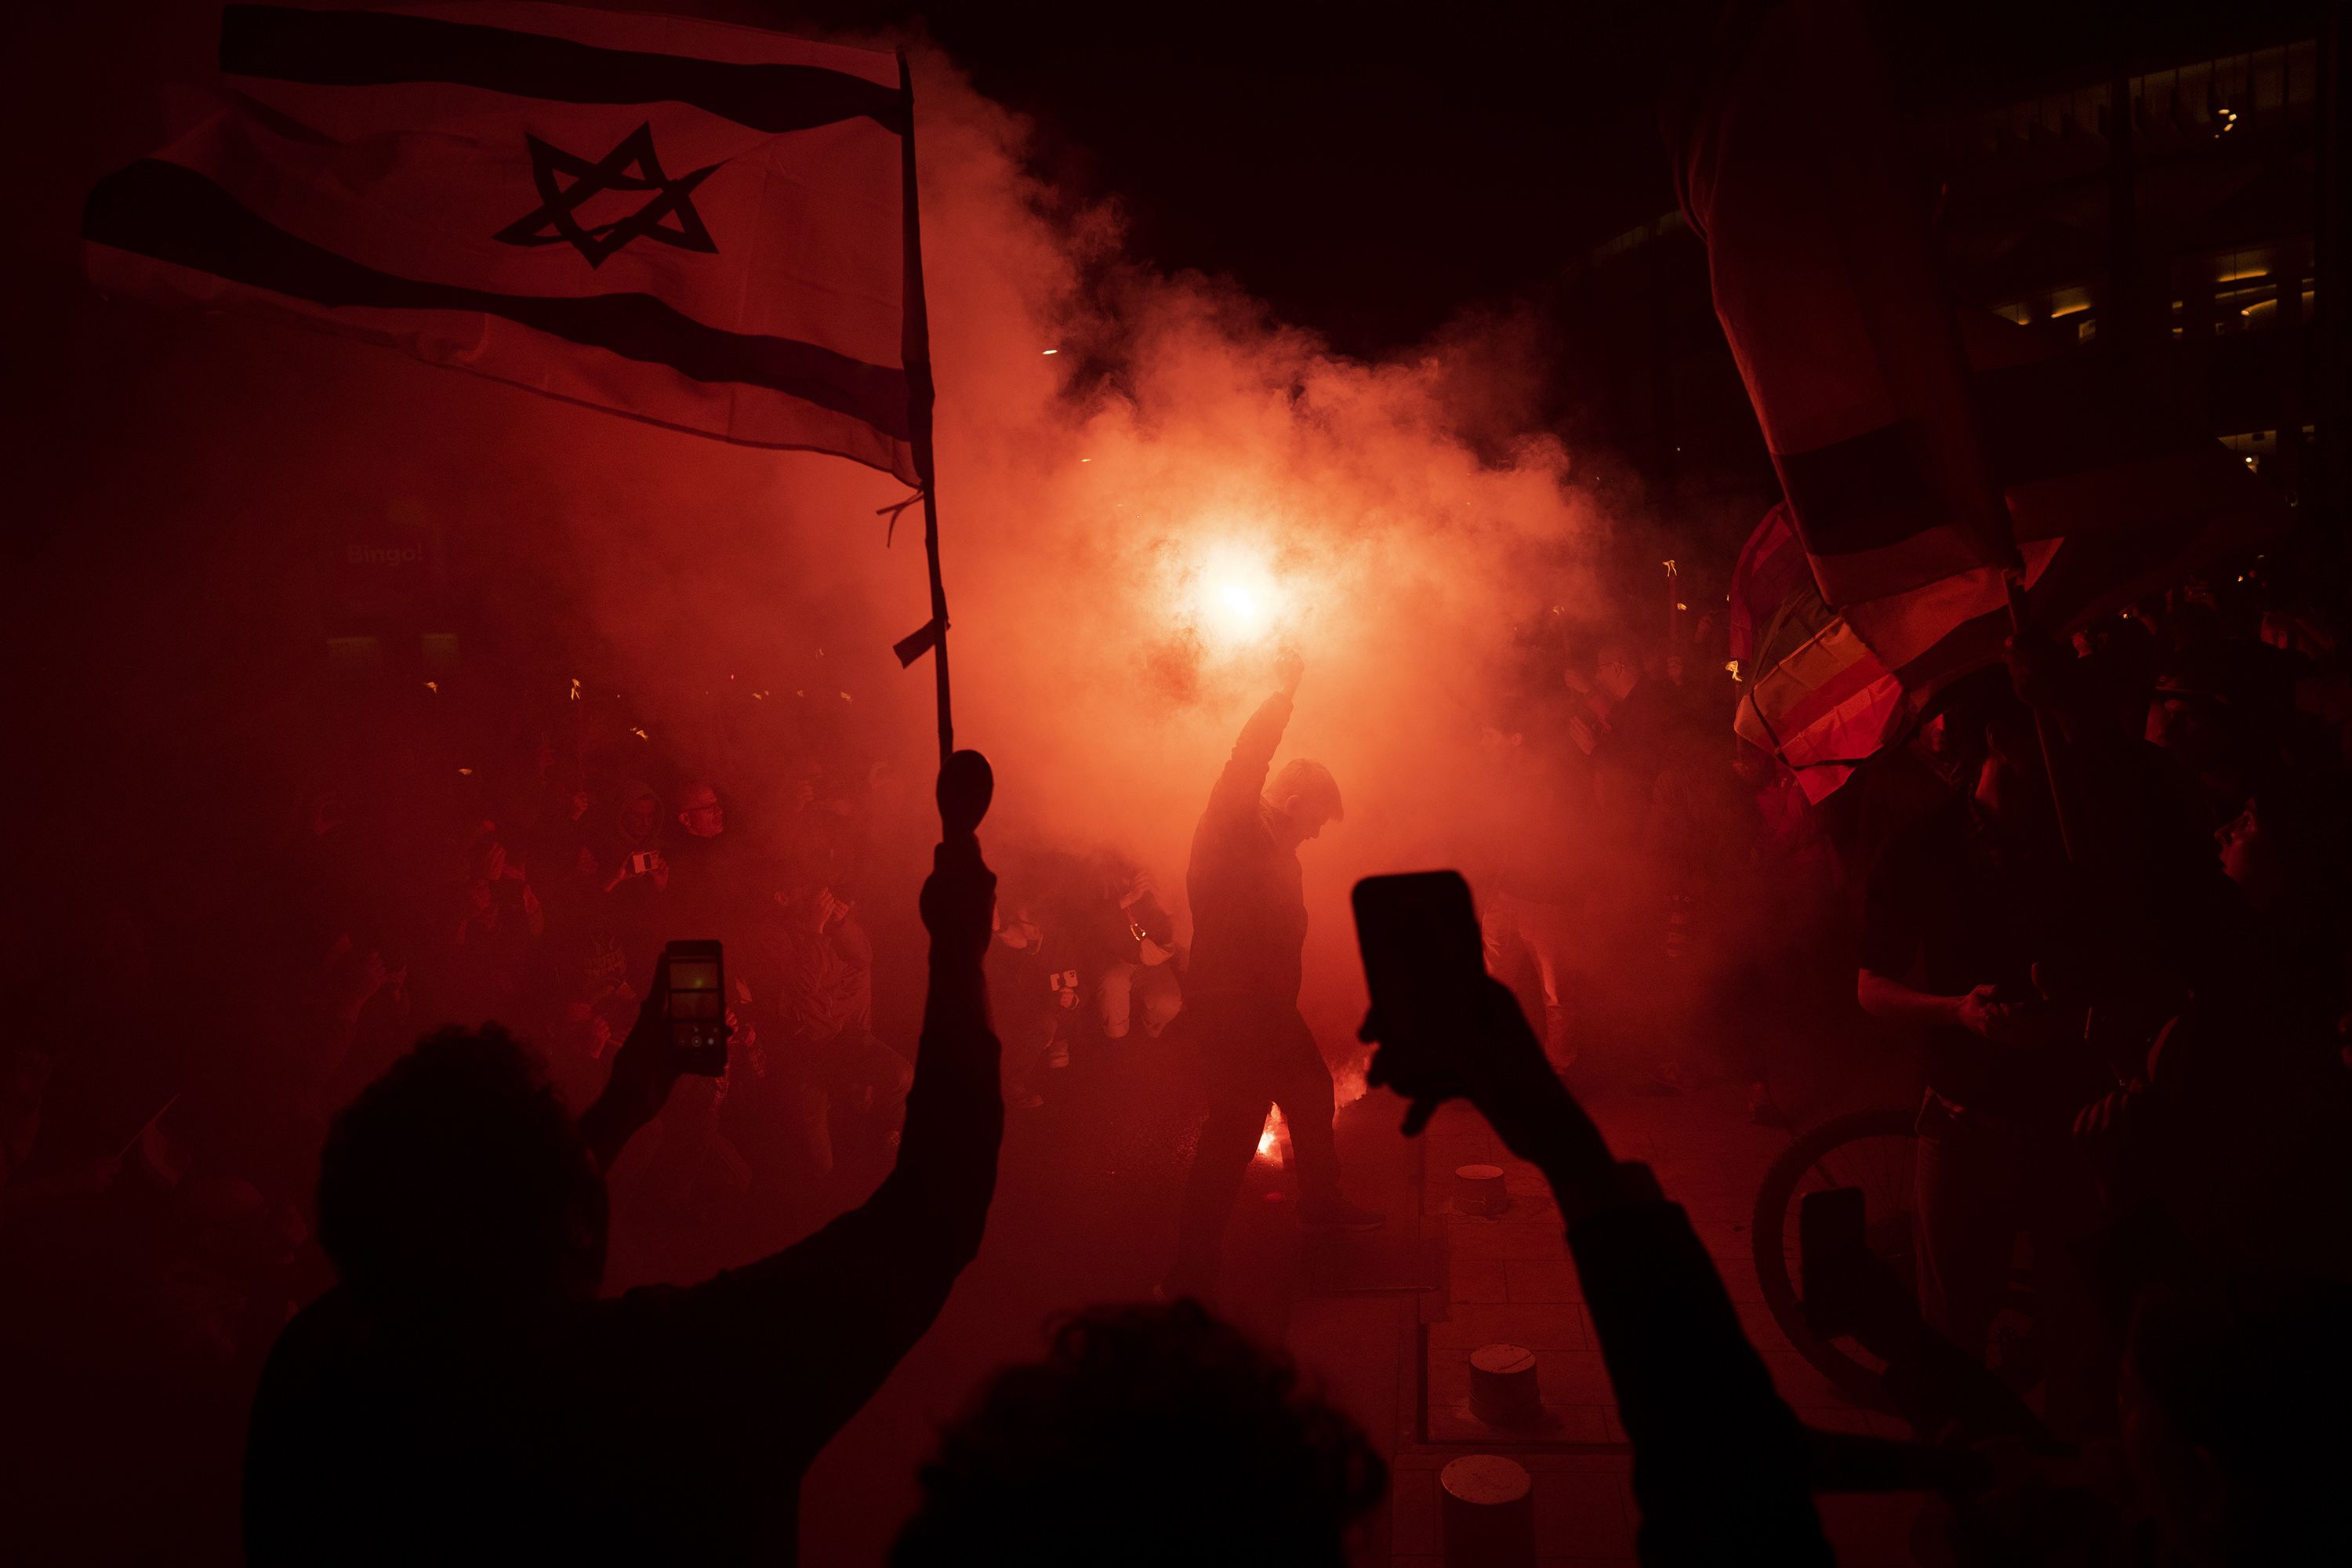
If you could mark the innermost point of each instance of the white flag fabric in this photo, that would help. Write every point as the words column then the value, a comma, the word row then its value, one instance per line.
column 687, row 222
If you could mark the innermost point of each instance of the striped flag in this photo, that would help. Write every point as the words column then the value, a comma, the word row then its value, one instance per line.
column 2112, row 497
column 1815, row 696
column 1825, row 277
column 694, row 224
column 1926, row 455
column 1770, row 567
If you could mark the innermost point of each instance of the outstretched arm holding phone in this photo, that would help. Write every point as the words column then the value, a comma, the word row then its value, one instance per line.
column 817, row 1328
column 1719, row 1461
column 644, row 1070
column 465, row 1381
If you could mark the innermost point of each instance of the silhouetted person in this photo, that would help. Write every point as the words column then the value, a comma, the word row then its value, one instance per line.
column 463, row 1393
column 1029, row 995
column 631, row 857
column 1541, row 871
column 1241, row 994
column 813, row 967
column 1125, row 941
column 1626, row 722
column 1960, row 913
column 1149, row 1436
column 1719, row 1461
column 491, row 961
column 709, row 890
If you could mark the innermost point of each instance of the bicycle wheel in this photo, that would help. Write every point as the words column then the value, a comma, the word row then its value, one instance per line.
column 1876, row 1150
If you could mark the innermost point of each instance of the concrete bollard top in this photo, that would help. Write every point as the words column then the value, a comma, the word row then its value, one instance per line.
column 1485, row 1480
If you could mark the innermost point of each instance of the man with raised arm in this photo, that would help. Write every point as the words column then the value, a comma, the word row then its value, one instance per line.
column 463, row 1394
column 1241, row 993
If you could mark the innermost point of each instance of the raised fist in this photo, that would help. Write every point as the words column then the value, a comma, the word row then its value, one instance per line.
column 1290, row 668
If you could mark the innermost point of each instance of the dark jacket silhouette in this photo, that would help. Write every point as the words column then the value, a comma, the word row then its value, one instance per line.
column 1249, row 902
column 667, row 1425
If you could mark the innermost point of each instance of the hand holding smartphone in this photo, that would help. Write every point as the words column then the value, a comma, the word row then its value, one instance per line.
column 694, row 1007
column 681, row 1027
column 1425, row 967
column 1448, row 1029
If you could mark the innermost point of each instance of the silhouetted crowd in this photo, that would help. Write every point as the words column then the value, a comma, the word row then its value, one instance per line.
column 2103, row 888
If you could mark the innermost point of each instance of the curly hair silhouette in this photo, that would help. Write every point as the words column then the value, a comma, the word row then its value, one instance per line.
column 1147, row 1434
column 460, row 1175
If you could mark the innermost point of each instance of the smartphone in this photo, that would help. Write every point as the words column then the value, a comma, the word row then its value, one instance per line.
column 696, row 1006
column 642, row 862
column 1425, row 958
column 1832, row 1248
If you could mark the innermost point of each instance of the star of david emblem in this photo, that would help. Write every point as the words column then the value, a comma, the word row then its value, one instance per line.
column 631, row 166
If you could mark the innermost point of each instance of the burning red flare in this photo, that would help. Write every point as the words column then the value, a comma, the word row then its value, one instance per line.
column 1270, row 1141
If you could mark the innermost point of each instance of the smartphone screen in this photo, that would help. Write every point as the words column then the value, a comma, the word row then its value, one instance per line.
column 694, row 989
column 698, row 1006
column 1424, row 960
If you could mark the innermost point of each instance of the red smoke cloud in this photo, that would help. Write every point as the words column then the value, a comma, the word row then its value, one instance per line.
column 1126, row 553
column 1133, row 524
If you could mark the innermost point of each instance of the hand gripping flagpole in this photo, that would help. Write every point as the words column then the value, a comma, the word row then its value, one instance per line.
column 965, row 783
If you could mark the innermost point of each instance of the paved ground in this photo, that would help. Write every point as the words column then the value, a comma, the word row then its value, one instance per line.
column 1084, row 1212
column 1508, row 1280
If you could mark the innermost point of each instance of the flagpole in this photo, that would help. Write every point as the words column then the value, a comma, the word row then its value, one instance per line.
column 2026, row 637
column 916, row 353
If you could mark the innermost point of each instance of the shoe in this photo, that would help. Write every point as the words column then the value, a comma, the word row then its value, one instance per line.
column 1024, row 1098
column 1338, row 1214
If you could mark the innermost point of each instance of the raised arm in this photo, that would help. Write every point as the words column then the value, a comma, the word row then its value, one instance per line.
column 1719, row 1461
column 1244, row 780
column 639, row 1086
column 829, row 1317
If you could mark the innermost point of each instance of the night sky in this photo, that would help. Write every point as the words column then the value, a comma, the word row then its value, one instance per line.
column 1369, row 170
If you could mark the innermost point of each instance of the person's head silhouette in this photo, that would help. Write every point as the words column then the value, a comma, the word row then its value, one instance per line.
column 1148, row 1435
column 460, row 1179
column 1303, row 799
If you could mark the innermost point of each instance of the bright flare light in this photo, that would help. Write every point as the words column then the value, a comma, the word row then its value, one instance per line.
column 1240, row 605
column 1269, row 1142
column 1237, row 603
